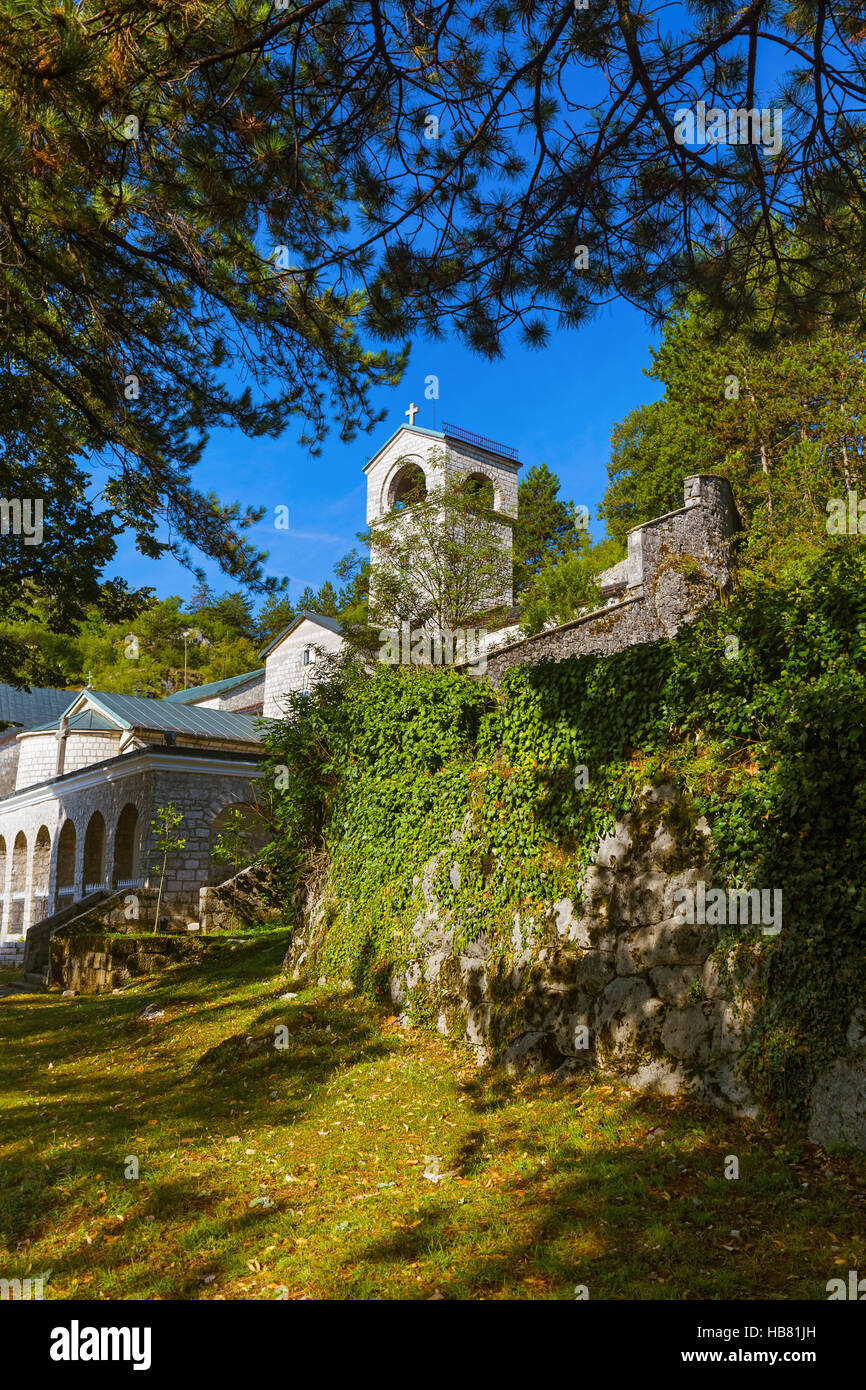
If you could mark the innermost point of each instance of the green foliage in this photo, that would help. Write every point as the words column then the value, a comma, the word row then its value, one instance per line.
column 561, row 588
column 142, row 204
column 439, row 559
column 544, row 531
column 232, row 845
column 381, row 773
column 651, row 451
column 785, row 422
column 348, row 603
column 145, row 653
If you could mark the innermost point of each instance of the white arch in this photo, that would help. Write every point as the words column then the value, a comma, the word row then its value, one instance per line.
column 398, row 466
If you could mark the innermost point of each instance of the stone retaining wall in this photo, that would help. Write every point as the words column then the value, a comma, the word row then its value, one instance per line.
column 92, row 962
column 676, row 564
column 611, row 979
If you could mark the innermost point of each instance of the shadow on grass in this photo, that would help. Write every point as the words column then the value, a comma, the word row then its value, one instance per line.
column 626, row 1220
column 562, row 1186
column 106, row 1114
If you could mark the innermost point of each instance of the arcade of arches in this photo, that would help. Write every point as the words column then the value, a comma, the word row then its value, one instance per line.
column 42, row 872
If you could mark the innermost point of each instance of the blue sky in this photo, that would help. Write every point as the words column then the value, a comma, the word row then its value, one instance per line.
column 555, row 406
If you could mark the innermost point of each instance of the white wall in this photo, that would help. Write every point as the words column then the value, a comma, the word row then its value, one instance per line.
column 441, row 461
column 284, row 667
column 38, row 758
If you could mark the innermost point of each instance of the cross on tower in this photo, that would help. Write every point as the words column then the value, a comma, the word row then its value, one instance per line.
column 411, row 412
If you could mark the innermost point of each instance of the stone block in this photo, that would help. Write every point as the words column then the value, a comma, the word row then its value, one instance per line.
column 669, row 942
column 613, row 849
column 637, row 899
column 660, row 1076
column 572, row 1031
column 711, row 980
column 671, row 982
column 676, row 882
column 595, row 970
column 628, row 1019
column 730, row 1026
column 837, row 1104
column 547, row 1004
column 533, row 1052
column 687, row 1033
column 596, row 888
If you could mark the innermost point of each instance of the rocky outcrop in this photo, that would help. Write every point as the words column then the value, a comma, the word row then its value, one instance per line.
column 837, row 1106
column 248, row 897
column 611, row 978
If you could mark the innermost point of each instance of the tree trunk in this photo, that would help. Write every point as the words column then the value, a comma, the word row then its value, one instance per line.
column 765, row 468
column 159, row 894
column 765, row 453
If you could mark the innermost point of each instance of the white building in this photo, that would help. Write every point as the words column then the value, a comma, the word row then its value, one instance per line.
column 294, row 658
column 83, row 773
column 88, row 785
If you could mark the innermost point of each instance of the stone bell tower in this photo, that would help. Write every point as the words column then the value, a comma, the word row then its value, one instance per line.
column 436, row 457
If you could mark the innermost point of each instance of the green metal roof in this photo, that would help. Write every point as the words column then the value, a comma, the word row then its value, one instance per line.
column 163, row 716
column 86, row 719
column 206, row 692
column 30, row 709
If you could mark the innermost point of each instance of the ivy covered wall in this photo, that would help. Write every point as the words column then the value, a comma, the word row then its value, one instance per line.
column 755, row 716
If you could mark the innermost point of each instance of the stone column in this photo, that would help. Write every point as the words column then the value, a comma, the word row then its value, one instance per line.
column 7, row 887
column 79, row 863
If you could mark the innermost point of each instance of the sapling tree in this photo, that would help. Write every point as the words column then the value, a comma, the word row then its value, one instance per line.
column 163, row 828
column 440, row 557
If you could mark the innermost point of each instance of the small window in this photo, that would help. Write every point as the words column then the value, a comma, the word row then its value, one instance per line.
column 308, row 656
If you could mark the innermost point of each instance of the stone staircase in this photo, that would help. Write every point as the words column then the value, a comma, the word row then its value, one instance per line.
column 39, row 936
column 32, row 952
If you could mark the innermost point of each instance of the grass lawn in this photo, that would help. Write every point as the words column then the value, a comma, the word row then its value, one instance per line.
column 268, row 1173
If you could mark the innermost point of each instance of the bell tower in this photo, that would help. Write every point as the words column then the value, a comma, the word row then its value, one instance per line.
column 416, row 456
